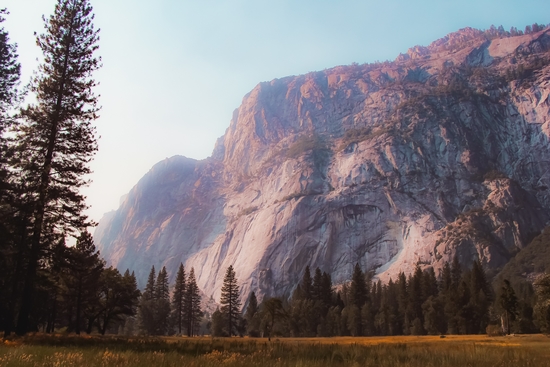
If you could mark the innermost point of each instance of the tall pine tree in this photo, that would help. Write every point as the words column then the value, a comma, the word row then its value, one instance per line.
column 10, row 253
column 162, row 303
column 178, row 300
column 84, row 268
column 230, row 300
column 146, row 313
column 57, row 139
column 193, row 311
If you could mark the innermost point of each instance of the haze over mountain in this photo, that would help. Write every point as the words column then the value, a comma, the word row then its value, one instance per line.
column 444, row 151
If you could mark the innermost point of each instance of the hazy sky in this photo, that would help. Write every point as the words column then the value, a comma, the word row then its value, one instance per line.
column 174, row 70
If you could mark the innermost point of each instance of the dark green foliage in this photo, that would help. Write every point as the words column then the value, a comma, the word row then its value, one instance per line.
column 178, row 300
column 230, row 301
column 11, row 219
column 162, row 304
column 508, row 303
column 192, row 302
column 149, row 292
column 272, row 311
column 118, row 297
column 56, row 139
column 146, row 315
column 80, row 279
column 458, row 302
column 252, row 316
column 217, row 327
column 154, row 306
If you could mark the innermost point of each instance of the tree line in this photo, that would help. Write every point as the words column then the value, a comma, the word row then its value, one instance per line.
column 458, row 301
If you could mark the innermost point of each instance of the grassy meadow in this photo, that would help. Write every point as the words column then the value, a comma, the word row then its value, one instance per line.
column 478, row 350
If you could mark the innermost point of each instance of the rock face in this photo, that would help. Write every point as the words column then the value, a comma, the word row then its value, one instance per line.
column 444, row 151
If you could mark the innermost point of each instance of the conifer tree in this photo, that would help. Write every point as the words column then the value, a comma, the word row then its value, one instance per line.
column 358, row 294
column 307, row 284
column 230, row 300
column 149, row 292
column 217, row 324
column 402, row 301
column 508, row 303
column 252, row 317
column 162, row 303
column 10, row 72
column 146, row 314
column 178, row 299
column 317, row 286
column 480, row 298
column 84, row 268
column 57, row 140
column 193, row 311
column 10, row 252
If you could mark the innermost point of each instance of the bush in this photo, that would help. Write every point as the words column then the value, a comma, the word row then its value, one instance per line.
column 304, row 144
column 494, row 330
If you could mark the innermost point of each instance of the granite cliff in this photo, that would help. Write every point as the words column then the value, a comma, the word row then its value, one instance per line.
column 443, row 151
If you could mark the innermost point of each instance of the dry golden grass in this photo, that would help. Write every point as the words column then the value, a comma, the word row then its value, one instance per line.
column 412, row 351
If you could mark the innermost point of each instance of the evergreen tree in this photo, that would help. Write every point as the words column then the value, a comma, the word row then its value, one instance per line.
column 358, row 287
column 178, row 299
column 414, row 309
column 11, row 253
column 358, row 294
column 402, row 301
column 307, row 284
column 230, row 300
column 394, row 327
column 57, row 140
column 508, row 302
column 84, row 268
column 252, row 316
column 480, row 299
column 146, row 314
column 118, row 298
column 162, row 303
column 149, row 292
column 317, row 286
column 193, row 305
column 10, row 72
column 217, row 324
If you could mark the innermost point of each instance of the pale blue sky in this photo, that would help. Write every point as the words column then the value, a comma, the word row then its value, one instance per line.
column 174, row 70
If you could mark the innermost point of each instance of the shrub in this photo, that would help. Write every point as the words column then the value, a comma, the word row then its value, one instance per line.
column 494, row 330
column 304, row 144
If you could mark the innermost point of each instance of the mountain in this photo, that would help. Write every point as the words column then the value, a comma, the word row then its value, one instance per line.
column 443, row 151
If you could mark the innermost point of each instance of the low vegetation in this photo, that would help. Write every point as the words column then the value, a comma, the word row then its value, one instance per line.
column 305, row 143
column 389, row 351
